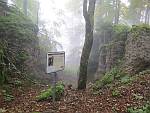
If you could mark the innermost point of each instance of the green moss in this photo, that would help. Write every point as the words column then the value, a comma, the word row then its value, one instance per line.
column 140, row 27
column 138, row 30
column 120, row 28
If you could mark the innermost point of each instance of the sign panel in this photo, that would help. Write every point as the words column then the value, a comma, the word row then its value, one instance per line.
column 55, row 61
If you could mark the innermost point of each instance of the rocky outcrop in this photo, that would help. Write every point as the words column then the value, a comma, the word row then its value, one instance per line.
column 112, row 48
column 137, row 55
column 127, row 50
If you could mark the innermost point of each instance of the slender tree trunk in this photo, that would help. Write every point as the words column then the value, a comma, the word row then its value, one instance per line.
column 3, row 7
column 147, row 15
column 25, row 7
column 88, row 14
column 38, row 6
column 117, row 13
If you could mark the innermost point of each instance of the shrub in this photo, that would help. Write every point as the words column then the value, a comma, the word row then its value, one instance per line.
column 7, row 97
column 17, row 82
column 143, row 109
column 126, row 79
column 147, row 71
column 115, row 93
column 109, row 78
column 47, row 94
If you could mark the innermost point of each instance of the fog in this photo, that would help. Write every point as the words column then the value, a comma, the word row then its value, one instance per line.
column 64, row 24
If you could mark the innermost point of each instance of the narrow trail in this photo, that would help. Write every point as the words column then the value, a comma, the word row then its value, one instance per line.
column 81, row 101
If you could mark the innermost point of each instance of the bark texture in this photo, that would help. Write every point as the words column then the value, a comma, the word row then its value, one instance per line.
column 88, row 13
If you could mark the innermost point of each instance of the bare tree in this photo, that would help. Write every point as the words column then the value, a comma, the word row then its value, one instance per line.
column 88, row 13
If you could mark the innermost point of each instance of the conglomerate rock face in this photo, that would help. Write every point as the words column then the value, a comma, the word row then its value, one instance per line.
column 129, row 51
column 112, row 49
column 137, row 55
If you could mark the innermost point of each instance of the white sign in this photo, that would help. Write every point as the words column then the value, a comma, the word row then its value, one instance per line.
column 55, row 61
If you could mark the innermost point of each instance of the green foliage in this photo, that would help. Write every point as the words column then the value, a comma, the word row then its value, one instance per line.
column 147, row 71
column 109, row 77
column 126, row 79
column 143, row 109
column 115, row 93
column 59, row 89
column 7, row 97
column 133, row 12
column 47, row 94
column 104, row 12
column 120, row 32
column 17, row 25
column 138, row 30
column 2, row 110
column 115, row 75
column 17, row 83
column 17, row 38
column 32, row 8
column 114, row 110
column 3, row 68
column 120, row 28
column 22, row 56
column 138, row 96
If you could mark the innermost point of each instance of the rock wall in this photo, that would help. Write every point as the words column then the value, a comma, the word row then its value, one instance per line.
column 137, row 56
column 126, row 49
column 112, row 49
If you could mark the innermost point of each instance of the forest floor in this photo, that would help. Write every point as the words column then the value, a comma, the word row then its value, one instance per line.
column 75, row 101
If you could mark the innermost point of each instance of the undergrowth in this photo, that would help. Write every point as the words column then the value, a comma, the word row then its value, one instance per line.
column 48, row 93
column 110, row 77
column 143, row 109
column 17, row 38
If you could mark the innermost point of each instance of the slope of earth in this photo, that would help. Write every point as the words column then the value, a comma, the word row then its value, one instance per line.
column 82, row 101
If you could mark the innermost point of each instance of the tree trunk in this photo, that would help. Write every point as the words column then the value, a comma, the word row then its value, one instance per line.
column 3, row 7
column 88, row 14
column 38, row 7
column 117, row 13
column 25, row 7
column 147, row 15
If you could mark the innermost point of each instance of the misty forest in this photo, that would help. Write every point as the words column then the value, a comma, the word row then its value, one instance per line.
column 74, row 56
